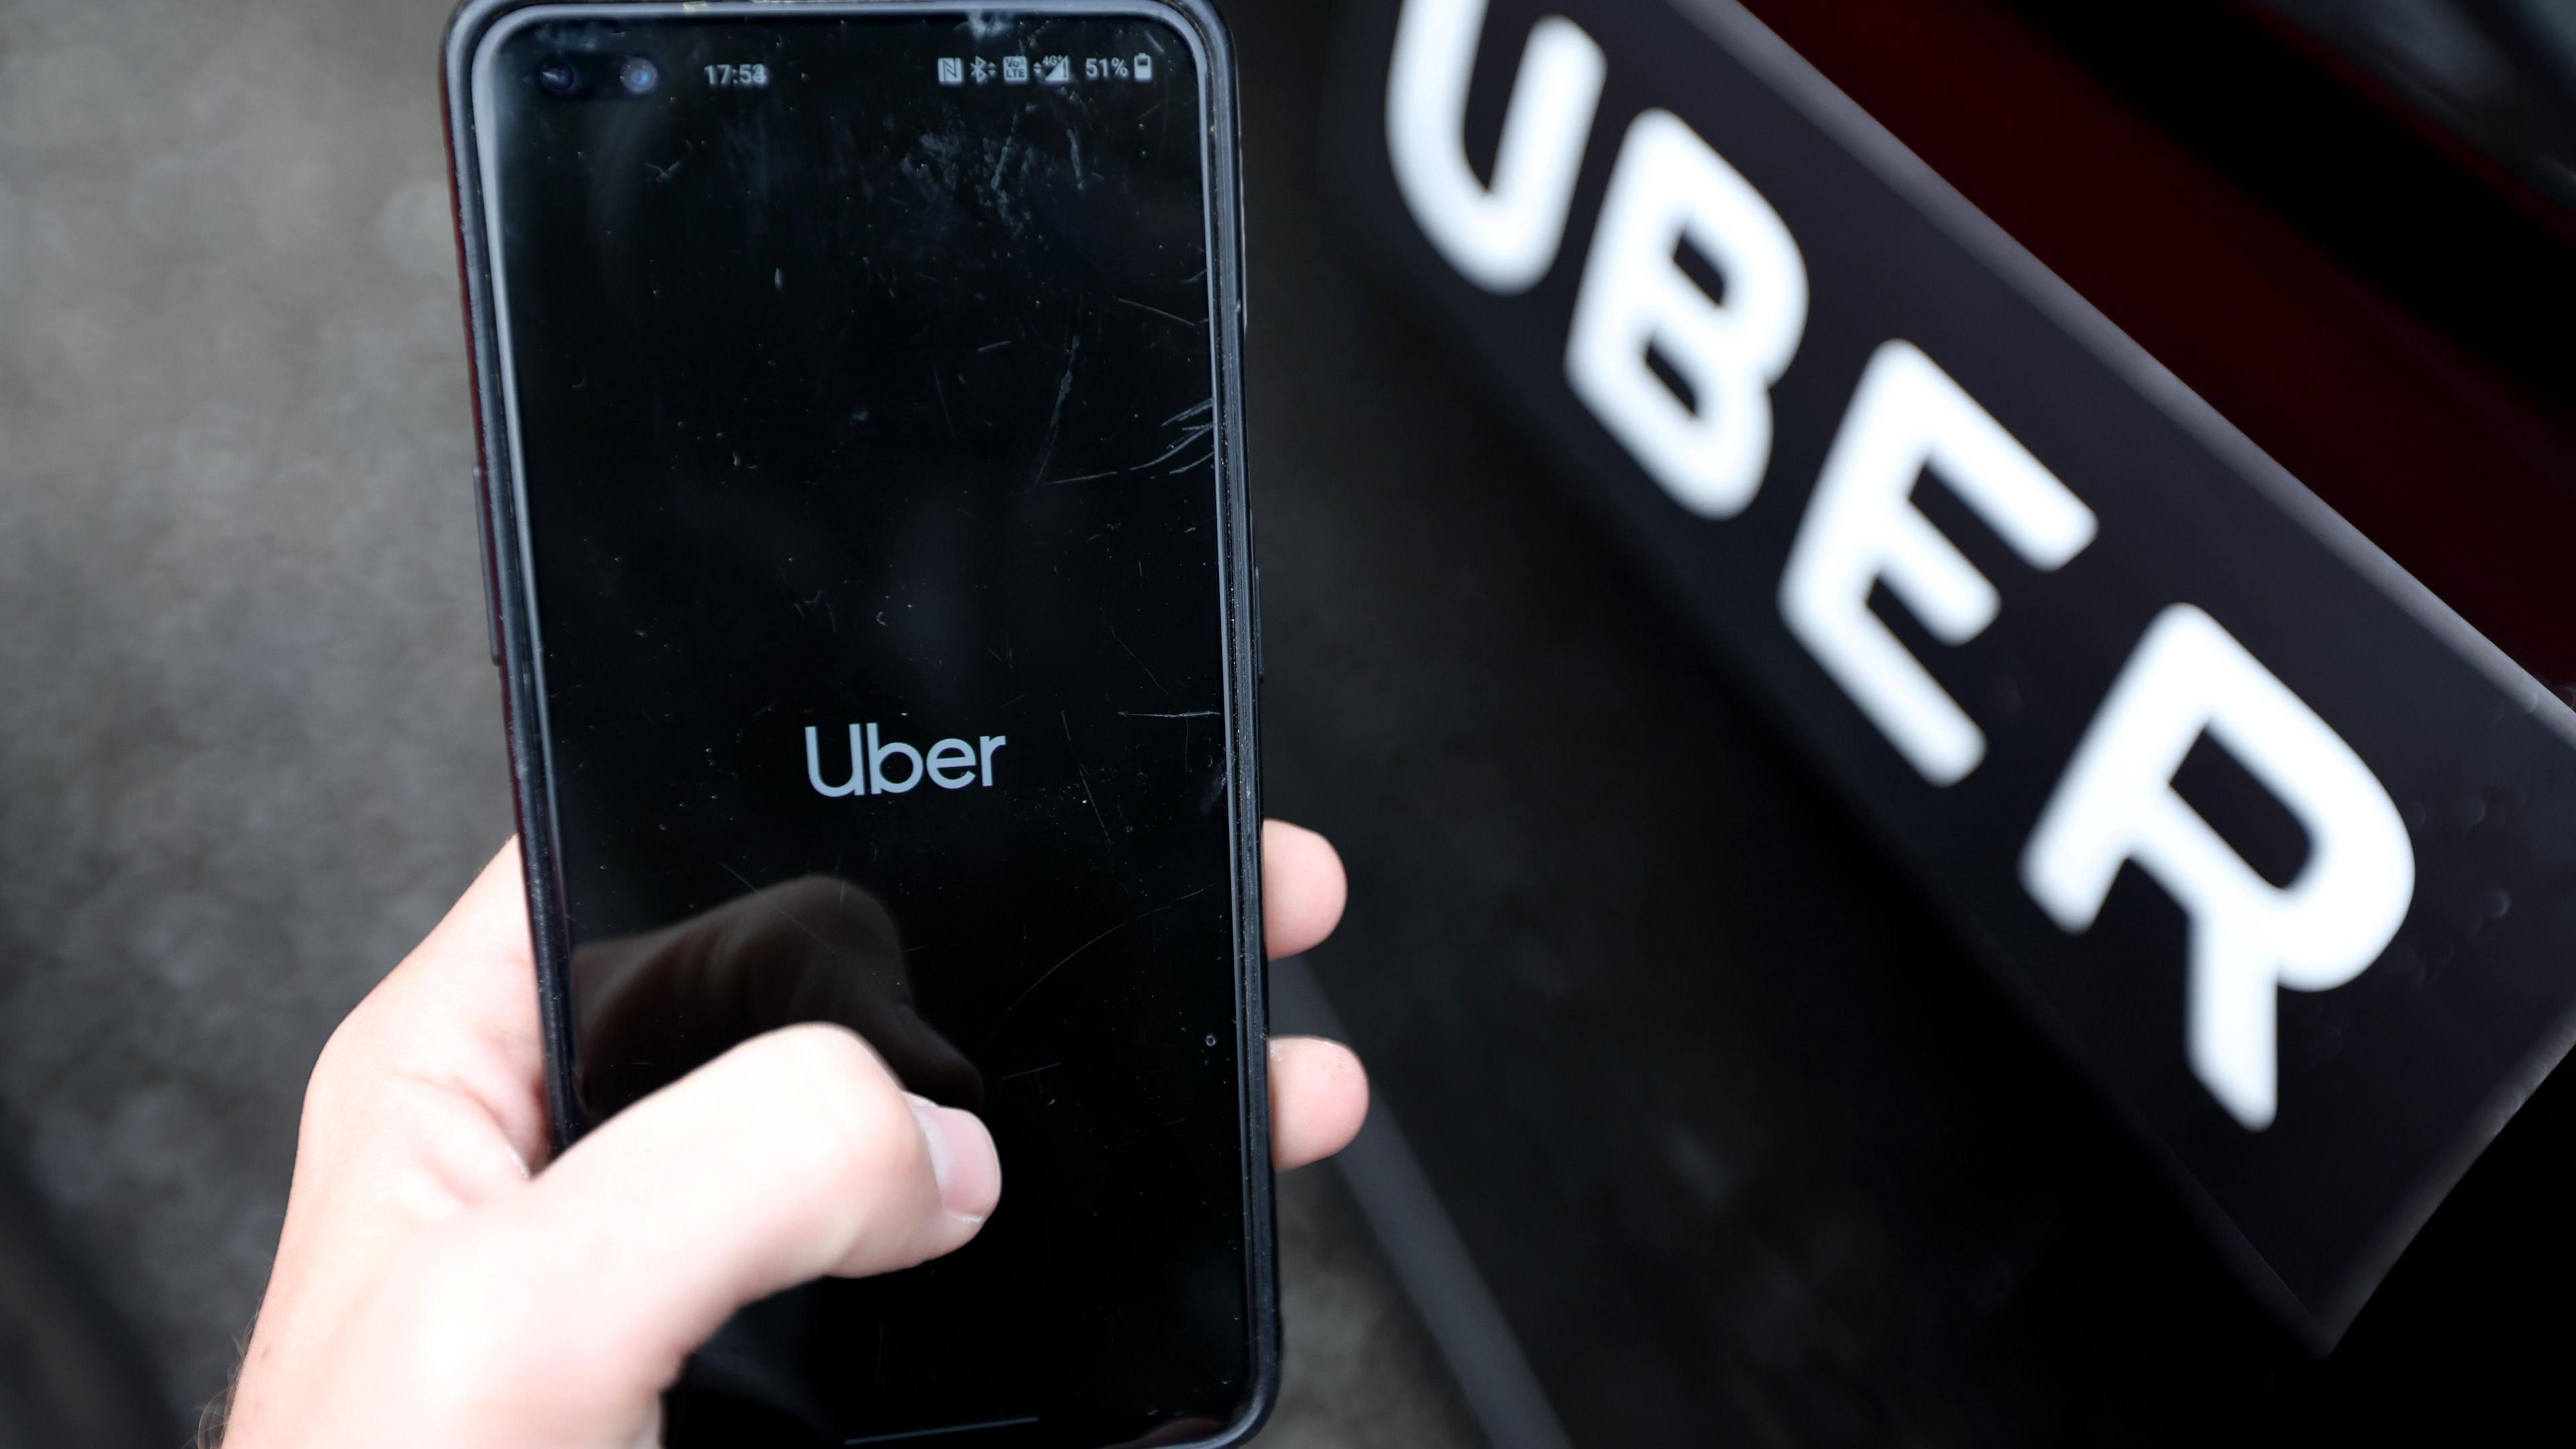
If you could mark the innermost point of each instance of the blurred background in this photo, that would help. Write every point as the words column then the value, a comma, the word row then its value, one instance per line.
column 1697, row 1124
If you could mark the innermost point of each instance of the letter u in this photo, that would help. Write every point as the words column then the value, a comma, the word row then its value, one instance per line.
column 858, row 781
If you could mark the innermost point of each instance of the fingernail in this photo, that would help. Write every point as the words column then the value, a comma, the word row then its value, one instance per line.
column 961, row 1158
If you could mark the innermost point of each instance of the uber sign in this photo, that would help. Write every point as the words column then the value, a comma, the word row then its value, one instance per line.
column 2275, row 846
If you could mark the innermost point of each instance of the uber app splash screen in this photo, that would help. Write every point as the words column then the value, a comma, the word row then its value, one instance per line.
column 864, row 398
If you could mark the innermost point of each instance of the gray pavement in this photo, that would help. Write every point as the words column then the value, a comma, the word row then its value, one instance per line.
column 249, row 742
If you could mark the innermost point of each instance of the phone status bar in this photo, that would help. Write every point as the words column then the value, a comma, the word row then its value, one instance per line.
column 1045, row 70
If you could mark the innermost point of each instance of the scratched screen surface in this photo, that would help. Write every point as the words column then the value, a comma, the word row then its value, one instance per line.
column 868, row 396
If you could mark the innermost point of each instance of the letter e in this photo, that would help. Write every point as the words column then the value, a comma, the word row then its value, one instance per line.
column 951, row 764
column 1862, row 526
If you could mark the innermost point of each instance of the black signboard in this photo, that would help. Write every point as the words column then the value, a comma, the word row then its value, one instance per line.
column 2272, row 843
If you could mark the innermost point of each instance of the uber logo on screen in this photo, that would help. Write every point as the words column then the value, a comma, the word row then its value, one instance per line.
column 1762, row 331
column 881, row 766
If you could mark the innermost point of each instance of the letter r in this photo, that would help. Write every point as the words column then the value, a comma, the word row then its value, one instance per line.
column 2116, row 803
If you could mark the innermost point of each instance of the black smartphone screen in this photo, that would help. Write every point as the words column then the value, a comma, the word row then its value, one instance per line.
column 861, row 379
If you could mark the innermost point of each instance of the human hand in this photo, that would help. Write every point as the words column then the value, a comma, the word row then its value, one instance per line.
column 433, row 1286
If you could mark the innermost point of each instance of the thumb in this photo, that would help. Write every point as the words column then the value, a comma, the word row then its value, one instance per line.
column 794, row 1155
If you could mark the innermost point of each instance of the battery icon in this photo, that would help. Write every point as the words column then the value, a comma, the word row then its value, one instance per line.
column 1144, row 67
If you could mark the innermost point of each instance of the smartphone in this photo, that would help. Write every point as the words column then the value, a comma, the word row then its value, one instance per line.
column 870, row 577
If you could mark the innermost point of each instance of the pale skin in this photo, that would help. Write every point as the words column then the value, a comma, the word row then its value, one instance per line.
column 441, row 1282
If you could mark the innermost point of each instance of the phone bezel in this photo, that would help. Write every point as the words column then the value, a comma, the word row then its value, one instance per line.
column 509, row 589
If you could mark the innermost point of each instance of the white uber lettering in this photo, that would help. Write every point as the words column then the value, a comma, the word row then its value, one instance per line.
column 1708, row 450
column 857, row 784
column 950, row 764
column 1862, row 526
column 2249, row 937
column 1501, row 238
column 880, row 751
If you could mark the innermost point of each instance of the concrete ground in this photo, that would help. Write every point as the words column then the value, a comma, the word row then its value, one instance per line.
column 249, row 743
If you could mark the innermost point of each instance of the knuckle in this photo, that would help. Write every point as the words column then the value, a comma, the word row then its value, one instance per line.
column 336, row 1084
column 856, row 1112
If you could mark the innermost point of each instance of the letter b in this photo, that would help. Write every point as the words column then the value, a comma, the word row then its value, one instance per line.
column 1707, row 450
column 878, row 754
column 2249, row 938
